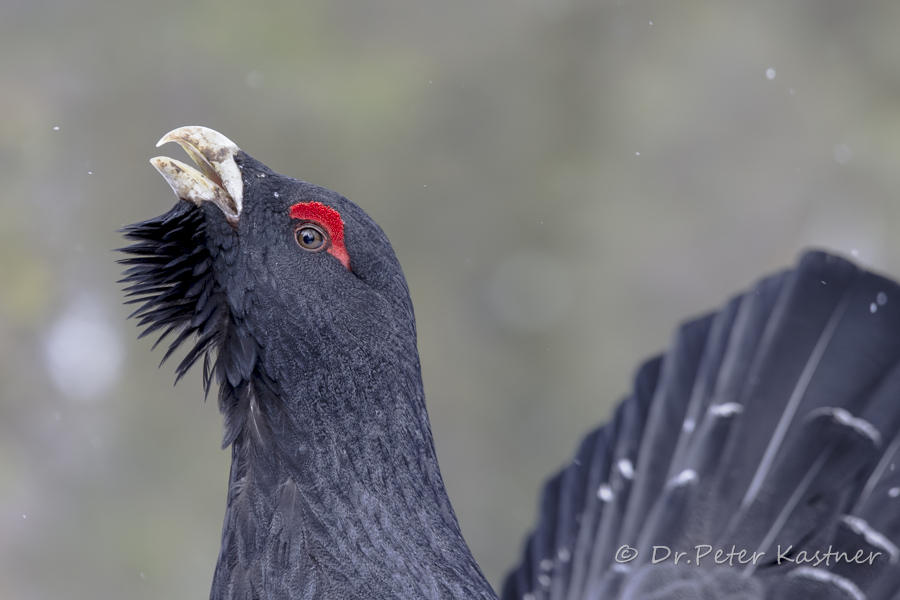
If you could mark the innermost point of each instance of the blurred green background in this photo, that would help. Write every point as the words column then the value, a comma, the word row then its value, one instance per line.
column 564, row 181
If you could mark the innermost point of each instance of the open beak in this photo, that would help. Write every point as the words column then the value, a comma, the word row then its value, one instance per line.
column 220, row 181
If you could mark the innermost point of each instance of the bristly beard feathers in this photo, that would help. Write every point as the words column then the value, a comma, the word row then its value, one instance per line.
column 171, row 276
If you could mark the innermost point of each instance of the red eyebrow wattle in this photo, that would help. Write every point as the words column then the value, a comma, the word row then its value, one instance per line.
column 328, row 218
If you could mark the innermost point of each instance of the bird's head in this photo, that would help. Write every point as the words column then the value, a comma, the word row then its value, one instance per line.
column 255, row 264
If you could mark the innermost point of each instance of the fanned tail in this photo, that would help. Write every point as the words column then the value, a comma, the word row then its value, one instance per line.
column 769, row 432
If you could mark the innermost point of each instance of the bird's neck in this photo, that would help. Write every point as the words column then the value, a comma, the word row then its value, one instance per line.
column 335, row 489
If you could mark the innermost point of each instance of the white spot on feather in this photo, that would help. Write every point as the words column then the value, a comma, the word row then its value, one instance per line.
column 686, row 477
column 862, row 426
column 824, row 576
column 728, row 409
column 605, row 493
column 626, row 468
column 861, row 527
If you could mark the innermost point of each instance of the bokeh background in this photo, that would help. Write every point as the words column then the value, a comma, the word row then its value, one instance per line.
column 564, row 181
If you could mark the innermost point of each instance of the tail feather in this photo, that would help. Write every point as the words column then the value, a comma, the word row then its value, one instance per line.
column 595, row 464
column 854, row 532
column 807, row 490
column 704, row 392
column 879, row 503
column 610, row 496
column 572, row 500
column 660, row 438
column 771, row 427
column 808, row 583
column 544, row 547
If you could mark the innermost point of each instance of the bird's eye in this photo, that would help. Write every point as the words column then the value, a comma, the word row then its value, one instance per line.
column 311, row 237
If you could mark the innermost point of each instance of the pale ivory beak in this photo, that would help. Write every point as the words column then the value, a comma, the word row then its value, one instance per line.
column 220, row 181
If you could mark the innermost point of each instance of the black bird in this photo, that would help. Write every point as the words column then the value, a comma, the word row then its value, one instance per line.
column 756, row 458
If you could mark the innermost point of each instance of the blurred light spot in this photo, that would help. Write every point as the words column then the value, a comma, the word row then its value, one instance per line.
column 56, row 128
column 255, row 79
column 770, row 74
column 881, row 298
column 83, row 351
column 529, row 291
column 842, row 154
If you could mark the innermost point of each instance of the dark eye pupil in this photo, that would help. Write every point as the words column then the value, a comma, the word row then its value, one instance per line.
column 310, row 238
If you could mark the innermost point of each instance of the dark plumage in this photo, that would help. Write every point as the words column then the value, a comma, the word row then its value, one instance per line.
column 773, row 422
